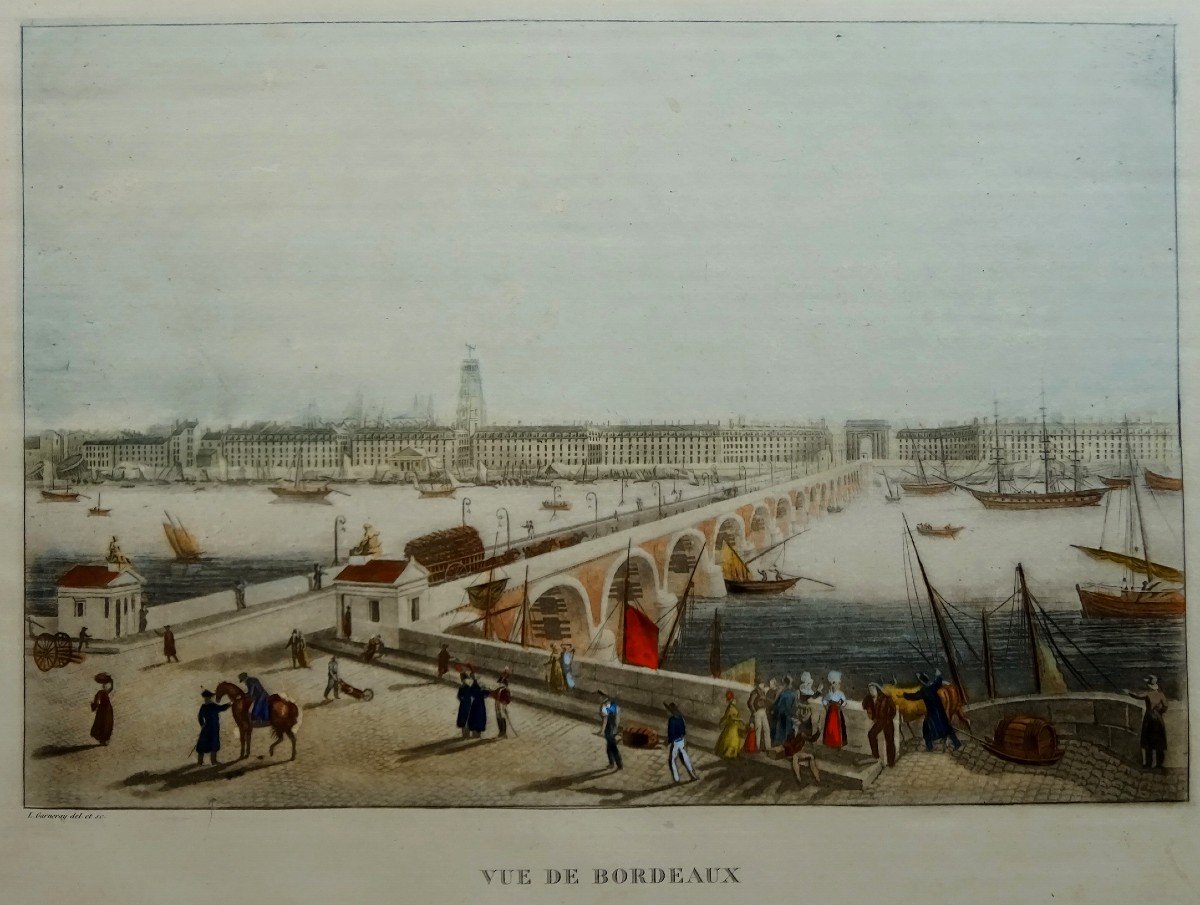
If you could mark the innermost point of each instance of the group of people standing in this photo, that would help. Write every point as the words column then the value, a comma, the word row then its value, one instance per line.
column 472, row 697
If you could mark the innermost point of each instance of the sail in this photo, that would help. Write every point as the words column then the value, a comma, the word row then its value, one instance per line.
column 48, row 475
column 188, row 545
column 745, row 672
column 1136, row 563
column 641, row 639
column 172, row 538
column 1052, row 677
column 486, row 595
column 733, row 566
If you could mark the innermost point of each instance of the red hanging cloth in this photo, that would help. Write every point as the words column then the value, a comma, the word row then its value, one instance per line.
column 641, row 639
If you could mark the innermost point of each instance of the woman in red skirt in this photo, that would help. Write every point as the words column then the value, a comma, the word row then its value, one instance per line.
column 835, row 720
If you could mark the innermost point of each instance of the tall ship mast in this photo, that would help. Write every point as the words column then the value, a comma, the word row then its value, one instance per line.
column 1050, row 497
column 300, row 491
column 926, row 486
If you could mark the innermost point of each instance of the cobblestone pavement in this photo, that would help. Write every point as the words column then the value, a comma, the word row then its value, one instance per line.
column 402, row 749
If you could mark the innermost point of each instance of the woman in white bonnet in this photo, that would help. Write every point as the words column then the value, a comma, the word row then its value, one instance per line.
column 834, row 735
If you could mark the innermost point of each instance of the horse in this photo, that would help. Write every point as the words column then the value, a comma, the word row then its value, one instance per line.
column 285, row 717
column 910, row 711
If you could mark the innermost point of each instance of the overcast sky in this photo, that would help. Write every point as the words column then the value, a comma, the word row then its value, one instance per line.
column 628, row 221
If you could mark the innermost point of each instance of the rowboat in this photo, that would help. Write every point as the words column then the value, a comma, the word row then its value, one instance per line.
column 1115, row 483
column 945, row 531
column 1162, row 482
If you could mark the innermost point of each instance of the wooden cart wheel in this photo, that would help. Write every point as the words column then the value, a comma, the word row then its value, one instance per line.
column 65, row 648
column 44, row 649
column 367, row 694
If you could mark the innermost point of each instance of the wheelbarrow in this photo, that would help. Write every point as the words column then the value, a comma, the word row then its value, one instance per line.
column 359, row 694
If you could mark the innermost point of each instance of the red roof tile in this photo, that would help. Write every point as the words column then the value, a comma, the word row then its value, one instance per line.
column 88, row 577
column 376, row 571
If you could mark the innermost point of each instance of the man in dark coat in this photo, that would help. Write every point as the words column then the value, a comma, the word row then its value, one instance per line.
column 260, row 701
column 1154, row 727
column 502, row 697
column 882, row 711
column 936, row 725
column 477, row 716
column 209, row 718
column 443, row 661
column 464, row 703
column 168, row 637
column 781, row 713
column 612, row 729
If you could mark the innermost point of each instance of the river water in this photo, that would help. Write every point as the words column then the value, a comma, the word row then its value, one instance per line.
column 864, row 626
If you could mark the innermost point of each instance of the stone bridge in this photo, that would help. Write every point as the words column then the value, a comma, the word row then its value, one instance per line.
column 575, row 593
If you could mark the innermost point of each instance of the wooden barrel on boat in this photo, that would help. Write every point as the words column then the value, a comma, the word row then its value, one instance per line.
column 1025, row 740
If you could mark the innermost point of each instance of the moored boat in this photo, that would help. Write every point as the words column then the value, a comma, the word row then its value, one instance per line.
column 945, row 531
column 739, row 580
column 300, row 491
column 1162, row 482
column 1115, row 483
column 1099, row 602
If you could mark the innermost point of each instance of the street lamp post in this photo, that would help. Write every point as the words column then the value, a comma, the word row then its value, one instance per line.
column 339, row 525
column 591, row 495
column 745, row 477
column 466, row 507
column 658, row 487
column 507, row 528
column 623, row 491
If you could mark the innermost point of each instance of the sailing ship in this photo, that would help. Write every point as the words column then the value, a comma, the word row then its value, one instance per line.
column 438, row 483
column 929, row 530
column 556, row 503
column 98, row 509
column 300, row 491
column 1157, row 481
column 893, row 495
column 1050, row 498
column 182, row 541
column 740, row 580
column 926, row 486
column 50, row 491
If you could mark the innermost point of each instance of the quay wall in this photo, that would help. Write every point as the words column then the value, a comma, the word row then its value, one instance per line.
column 641, row 692
column 193, row 608
column 1111, row 721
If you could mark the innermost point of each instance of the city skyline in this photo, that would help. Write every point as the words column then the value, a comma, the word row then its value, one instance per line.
column 832, row 232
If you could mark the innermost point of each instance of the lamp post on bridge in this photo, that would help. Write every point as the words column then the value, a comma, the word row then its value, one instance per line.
column 591, row 495
column 507, row 527
column 745, row 473
column 658, row 487
column 466, row 507
column 623, row 480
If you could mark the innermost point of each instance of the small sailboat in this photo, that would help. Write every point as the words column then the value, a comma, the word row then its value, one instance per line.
column 556, row 503
column 1153, row 599
column 98, row 509
column 183, row 542
column 929, row 530
column 300, row 491
column 51, row 493
column 438, row 483
column 740, row 580
column 893, row 494
column 834, row 509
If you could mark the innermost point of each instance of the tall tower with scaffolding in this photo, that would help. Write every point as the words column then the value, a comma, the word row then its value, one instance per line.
column 471, row 413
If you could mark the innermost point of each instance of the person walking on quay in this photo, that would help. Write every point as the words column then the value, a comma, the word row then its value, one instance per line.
column 168, row 637
column 1154, row 727
column 936, row 725
column 209, row 718
column 782, row 714
column 374, row 648
column 239, row 594
column 554, row 671
column 612, row 728
column 759, row 736
column 567, row 656
column 502, row 698
column 477, row 715
column 299, row 649
column 334, row 681
column 729, row 741
column 882, row 711
column 464, row 703
column 102, row 723
column 443, row 661
column 835, row 720
column 316, row 576
column 677, row 743
column 85, row 640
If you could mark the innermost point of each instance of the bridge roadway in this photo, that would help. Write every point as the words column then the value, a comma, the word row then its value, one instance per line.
column 574, row 592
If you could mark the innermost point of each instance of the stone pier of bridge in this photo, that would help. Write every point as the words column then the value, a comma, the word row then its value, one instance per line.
column 574, row 593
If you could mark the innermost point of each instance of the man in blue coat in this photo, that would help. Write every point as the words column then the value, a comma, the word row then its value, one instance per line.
column 477, row 715
column 260, row 701
column 782, row 713
column 677, row 743
column 936, row 724
column 209, row 718
column 464, row 703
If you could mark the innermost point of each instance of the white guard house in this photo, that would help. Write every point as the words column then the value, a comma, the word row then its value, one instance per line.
column 104, row 599
column 377, row 597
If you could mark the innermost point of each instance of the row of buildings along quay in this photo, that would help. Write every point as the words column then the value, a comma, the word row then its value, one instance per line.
column 358, row 447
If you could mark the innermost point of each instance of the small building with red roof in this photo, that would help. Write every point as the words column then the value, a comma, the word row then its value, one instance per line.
column 105, row 599
column 376, row 596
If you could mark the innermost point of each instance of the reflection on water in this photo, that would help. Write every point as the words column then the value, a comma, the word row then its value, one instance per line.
column 872, row 643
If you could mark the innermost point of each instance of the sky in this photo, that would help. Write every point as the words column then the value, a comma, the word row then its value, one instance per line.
column 629, row 221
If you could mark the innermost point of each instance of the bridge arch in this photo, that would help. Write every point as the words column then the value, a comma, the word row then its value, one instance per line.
column 730, row 530
column 682, row 552
column 761, row 523
column 559, row 611
column 643, row 589
column 784, row 514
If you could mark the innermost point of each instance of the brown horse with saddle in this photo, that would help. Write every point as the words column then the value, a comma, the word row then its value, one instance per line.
column 284, row 721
